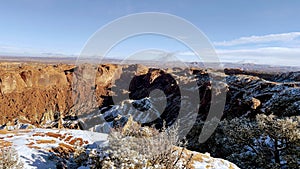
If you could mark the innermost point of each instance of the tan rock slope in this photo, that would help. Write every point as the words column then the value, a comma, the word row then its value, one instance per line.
column 32, row 92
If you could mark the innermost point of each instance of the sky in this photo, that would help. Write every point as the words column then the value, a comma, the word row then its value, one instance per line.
column 263, row 32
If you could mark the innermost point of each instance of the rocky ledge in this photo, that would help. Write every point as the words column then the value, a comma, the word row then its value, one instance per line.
column 53, row 148
column 57, row 95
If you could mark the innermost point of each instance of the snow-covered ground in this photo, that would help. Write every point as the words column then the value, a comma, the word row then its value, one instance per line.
column 35, row 147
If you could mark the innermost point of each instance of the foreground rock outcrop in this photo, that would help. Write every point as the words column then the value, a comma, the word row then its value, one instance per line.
column 46, row 148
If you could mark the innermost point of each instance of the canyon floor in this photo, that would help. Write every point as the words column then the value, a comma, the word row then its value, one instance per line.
column 50, row 106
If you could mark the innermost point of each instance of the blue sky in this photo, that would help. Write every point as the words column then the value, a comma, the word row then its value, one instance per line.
column 241, row 31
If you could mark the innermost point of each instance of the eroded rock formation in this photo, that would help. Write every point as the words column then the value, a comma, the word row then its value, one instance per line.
column 35, row 92
column 30, row 92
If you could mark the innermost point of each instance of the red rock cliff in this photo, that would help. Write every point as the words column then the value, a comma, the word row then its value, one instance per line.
column 28, row 91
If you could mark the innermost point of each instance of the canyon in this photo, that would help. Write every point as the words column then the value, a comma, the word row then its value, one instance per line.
column 37, row 93
column 45, row 96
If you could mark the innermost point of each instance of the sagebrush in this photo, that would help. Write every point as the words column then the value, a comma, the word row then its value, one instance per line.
column 140, row 147
column 9, row 159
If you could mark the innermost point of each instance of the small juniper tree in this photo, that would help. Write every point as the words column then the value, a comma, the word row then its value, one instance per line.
column 284, row 135
column 266, row 142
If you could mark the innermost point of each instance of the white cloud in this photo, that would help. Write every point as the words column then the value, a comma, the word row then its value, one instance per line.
column 283, row 37
column 9, row 50
column 275, row 49
column 267, row 51
column 244, row 49
column 269, row 55
column 283, row 56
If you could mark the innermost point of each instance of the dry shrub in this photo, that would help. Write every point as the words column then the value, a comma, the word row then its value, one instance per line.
column 9, row 159
column 143, row 147
column 80, row 156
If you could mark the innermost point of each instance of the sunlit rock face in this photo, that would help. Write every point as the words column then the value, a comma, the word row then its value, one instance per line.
column 252, row 95
column 101, row 95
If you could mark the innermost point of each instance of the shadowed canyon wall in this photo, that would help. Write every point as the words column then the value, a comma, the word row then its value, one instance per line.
column 34, row 92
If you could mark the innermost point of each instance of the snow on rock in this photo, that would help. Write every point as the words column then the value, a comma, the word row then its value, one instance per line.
column 203, row 161
column 36, row 147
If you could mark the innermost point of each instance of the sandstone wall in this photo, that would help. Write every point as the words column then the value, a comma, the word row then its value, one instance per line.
column 33, row 91
column 28, row 91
